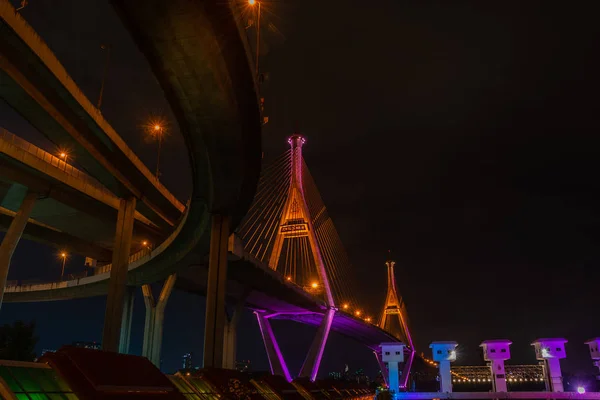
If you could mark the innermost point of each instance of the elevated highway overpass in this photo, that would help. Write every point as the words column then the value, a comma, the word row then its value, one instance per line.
column 74, row 213
column 261, row 288
column 200, row 59
column 218, row 114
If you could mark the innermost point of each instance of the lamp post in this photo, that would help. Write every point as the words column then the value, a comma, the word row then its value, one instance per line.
column 63, row 255
column 158, row 131
column 64, row 156
column 257, row 4
column 107, row 48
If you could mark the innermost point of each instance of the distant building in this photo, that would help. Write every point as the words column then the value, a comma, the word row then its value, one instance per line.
column 243, row 366
column 44, row 351
column 187, row 361
column 361, row 377
column 88, row 345
column 335, row 375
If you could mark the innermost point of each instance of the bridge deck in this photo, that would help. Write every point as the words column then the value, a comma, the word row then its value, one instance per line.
column 72, row 202
column 37, row 85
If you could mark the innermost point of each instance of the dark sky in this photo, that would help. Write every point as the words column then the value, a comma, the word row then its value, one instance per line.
column 460, row 135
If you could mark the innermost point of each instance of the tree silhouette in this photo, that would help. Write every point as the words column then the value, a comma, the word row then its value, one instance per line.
column 17, row 341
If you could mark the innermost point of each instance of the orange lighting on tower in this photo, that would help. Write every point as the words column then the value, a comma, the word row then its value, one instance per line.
column 289, row 278
column 157, row 127
column 63, row 155
column 314, row 285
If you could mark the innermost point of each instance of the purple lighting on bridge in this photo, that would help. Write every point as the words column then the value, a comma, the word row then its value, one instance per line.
column 277, row 365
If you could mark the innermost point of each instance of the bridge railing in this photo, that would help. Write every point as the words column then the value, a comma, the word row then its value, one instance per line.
column 77, row 275
column 53, row 160
column 132, row 258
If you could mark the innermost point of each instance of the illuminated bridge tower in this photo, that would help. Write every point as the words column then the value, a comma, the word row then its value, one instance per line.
column 296, row 223
column 394, row 320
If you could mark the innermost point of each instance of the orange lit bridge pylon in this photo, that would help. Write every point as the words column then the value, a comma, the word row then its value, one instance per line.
column 394, row 319
column 296, row 223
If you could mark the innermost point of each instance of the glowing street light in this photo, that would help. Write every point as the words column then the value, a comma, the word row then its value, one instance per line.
column 252, row 3
column 357, row 313
column 63, row 154
column 289, row 278
column 314, row 285
column 346, row 306
column 158, row 131
column 63, row 255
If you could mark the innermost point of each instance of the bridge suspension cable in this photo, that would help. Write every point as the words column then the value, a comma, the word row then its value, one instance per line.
column 277, row 231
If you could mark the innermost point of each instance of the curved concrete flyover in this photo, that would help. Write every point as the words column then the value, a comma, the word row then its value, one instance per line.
column 36, row 85
column 200, row 59
column 195, row 51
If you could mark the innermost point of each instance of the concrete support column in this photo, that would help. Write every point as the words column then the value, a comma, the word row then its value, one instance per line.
column 310, row 368
column 127, row 317
column 551, row 351
column 276, row 361
column 115, row 302
column 214, row 335
column 444, row 353
column 155, row 316
column 12, row 237
column 594, row 346
column 498, row 375
column 392, row 354
column 382, row 367
column 496, row 352
column 230, row 342
column 555, row 374
column 445, row 377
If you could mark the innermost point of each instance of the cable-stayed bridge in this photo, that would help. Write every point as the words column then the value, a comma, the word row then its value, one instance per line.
column 284, row 259
column 289, row 229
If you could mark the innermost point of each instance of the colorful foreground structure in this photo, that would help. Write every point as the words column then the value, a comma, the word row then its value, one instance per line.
column 78, row 373
column 548, row 351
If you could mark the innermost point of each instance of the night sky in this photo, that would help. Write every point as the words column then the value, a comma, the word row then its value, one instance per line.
column 459, row 135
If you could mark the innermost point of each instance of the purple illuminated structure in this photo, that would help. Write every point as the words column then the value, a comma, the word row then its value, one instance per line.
column 296, row 222
column 394, row 312
column 276, row 361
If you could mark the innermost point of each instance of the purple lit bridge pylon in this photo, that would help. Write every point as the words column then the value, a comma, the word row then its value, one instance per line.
column 288, row 229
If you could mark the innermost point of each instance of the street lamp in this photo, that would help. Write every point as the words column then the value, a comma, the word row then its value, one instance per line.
column 63, row 154
column 157, row 130
column 63, row 255
column 252, row 3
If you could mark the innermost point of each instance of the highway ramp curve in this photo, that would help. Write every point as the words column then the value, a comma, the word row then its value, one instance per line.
column 201, row 60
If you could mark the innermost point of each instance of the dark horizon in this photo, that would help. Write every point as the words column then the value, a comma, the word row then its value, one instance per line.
column 459, row 136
